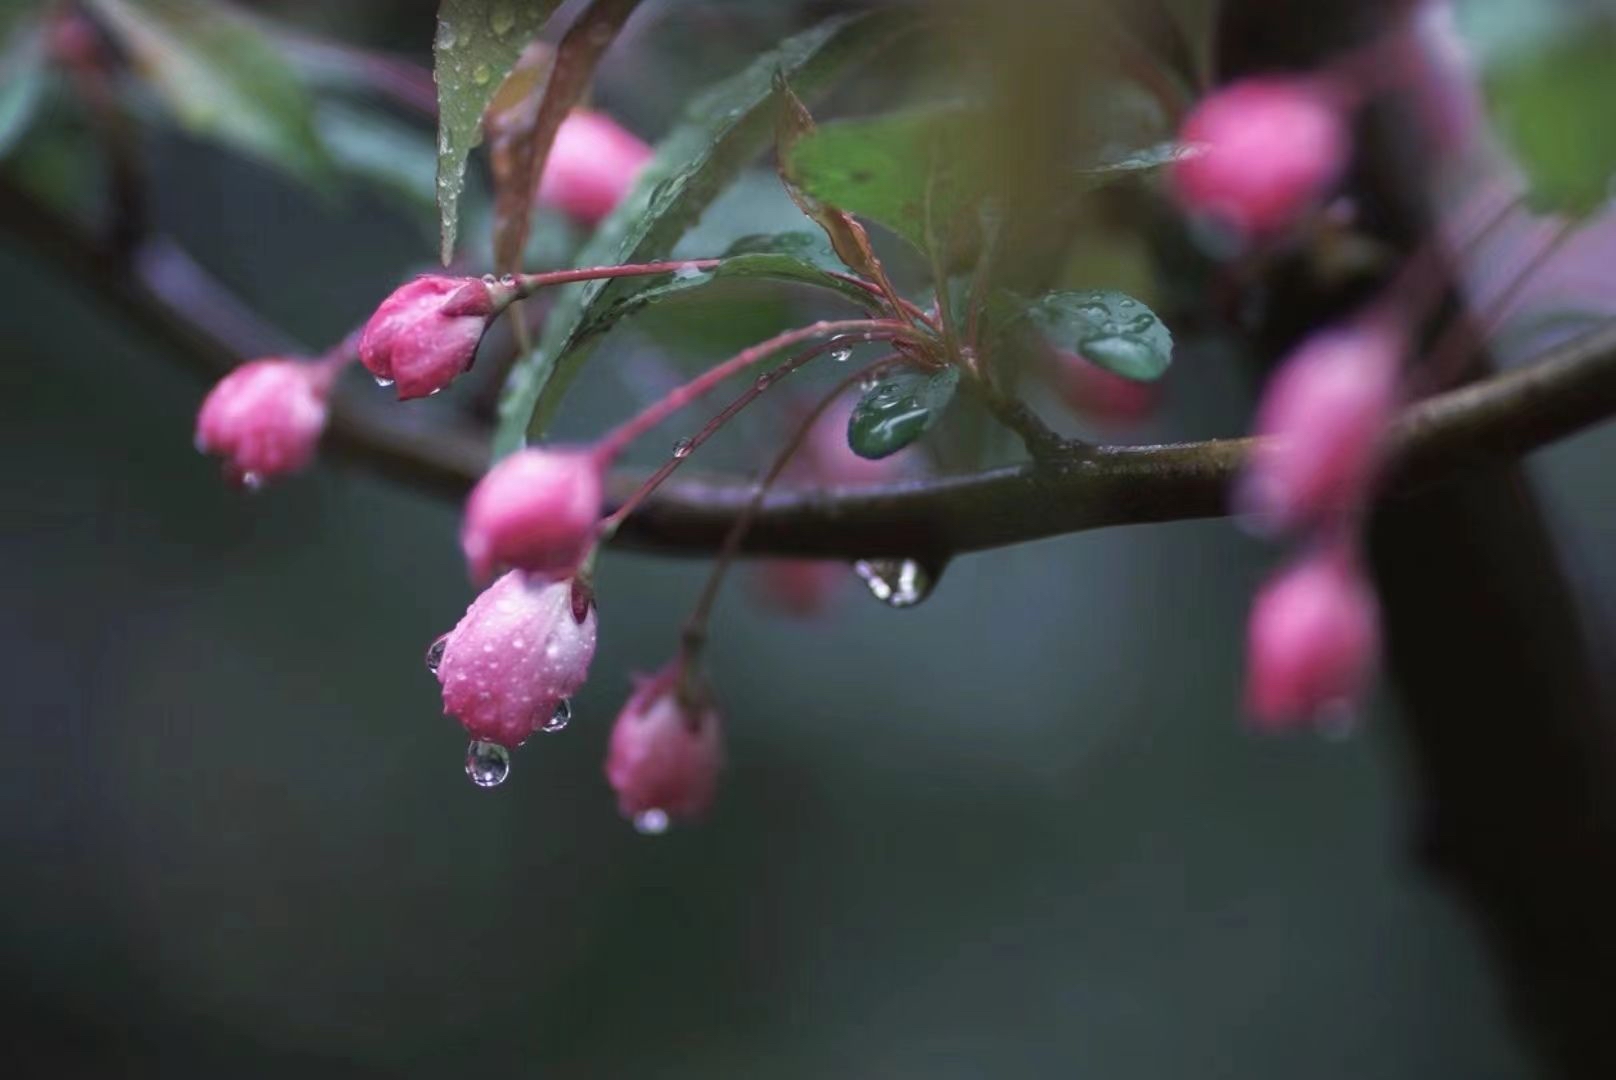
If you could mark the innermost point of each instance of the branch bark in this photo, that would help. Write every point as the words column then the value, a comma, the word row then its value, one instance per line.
column 1568, row 389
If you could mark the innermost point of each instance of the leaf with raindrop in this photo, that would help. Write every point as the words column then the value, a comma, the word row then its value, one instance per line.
column 898, row 409
column 223, row 78
column 476, row 46
column 1107, row 328
column 723, row 131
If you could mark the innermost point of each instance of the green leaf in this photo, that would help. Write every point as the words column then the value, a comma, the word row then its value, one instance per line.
column 222, row 78
column 723, row 130
column 898, row 410
column 369, row 145
column 1107, row 328
column 477, row 44
column 1552, row 105
column 880, row 168
column 22, row 83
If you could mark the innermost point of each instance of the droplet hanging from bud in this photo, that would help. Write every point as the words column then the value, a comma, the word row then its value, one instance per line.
column 487, row 763
column 434, row 653
column 560, row 718
column 651, row 822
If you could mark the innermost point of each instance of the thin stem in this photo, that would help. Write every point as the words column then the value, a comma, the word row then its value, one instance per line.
column 613, row 443
column 910, row 308
column 610, row 524
column 528, row 284
column 694, row 633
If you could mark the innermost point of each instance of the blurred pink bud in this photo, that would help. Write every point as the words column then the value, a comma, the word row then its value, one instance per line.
column 265, row 418
column 1265, row 150
column 536, row 510
column 426, row 333
column 1325, row 412
column 592, row 166
column 665, row 756
column 1313, row 641
column 516, row 656
column 1102, row 396
column 800, row 587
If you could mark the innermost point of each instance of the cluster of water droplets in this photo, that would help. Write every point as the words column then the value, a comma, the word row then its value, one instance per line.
column 488, row 764
column 897, row 583
column 1120, row 334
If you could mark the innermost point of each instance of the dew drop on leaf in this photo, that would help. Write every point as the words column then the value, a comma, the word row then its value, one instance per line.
column 487, row 763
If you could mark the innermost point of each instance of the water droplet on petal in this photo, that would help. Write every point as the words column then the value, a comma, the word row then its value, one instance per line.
column 682, row 448
column 434, row 653
column 651, row 822
column 897, row 583
column 487, row 763
column 490, row 279
column 560, row 718
column 383, row 381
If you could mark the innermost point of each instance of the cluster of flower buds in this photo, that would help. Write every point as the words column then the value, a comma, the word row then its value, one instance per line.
column 1261, row 153
column 1314, row 633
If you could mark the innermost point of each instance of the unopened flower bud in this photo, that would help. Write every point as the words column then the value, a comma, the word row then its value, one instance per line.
column 1102, row 396
column 265, row 418
column 1263, row 151
column 536, row 510
column 1324, row 414
column 665, row 754
column 1313, row 641
column 593, row 164
column 426, row 333
column 514, row 659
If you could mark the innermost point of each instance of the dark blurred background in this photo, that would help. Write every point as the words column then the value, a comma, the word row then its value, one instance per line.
column 1016, row 831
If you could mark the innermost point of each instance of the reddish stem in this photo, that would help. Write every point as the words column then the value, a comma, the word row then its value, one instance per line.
column 613, row 442
column 528, row 284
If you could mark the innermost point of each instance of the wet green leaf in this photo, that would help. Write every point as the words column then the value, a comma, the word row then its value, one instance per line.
column 222, row 78
column 1107, row 328
column 724, row 129
column 898, row 410
column 476, row 46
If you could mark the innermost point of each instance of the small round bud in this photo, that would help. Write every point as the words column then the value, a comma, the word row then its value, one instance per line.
column 426, row 333
column 1313, row 641
column 665, row 754
column 536, row 510
column 1325, row 412
column 1100, row 396
column 1264, row 151
column 593, row 164
column 265, row 417
column 515, row 658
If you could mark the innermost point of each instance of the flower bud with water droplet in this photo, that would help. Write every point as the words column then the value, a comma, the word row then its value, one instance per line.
column 427, row 332
column 1263, row 151
column 536, row 510
column 1103, row 397
column 1324, row 414
column 516, row 655
column 265, row 418
column 665, row 753
column 592, row 166
column 1313, row 641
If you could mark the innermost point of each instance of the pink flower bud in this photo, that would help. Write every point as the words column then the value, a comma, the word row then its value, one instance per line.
column 514, row 659
column 1102, row 396
column 1313, row 641
column 426, row 333
column 1265, row 150
column 800, row 587
column 1325, row 411
column 665, row 755
column 265, row 418
column 536, row 510
column 592, row 166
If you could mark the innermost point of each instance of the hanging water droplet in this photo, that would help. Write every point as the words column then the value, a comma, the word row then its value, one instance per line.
column 487, row 763
column 383, row 381
column 682, row 448
column 560, row 718
column 841, row 355
column 251, row 481
column 651, row 822
column 897, row 583
column 434, row 653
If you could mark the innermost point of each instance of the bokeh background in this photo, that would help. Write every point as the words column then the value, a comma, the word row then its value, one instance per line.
column 1015, row 831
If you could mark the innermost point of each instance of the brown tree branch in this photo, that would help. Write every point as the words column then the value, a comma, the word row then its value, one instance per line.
column 1571, row 387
